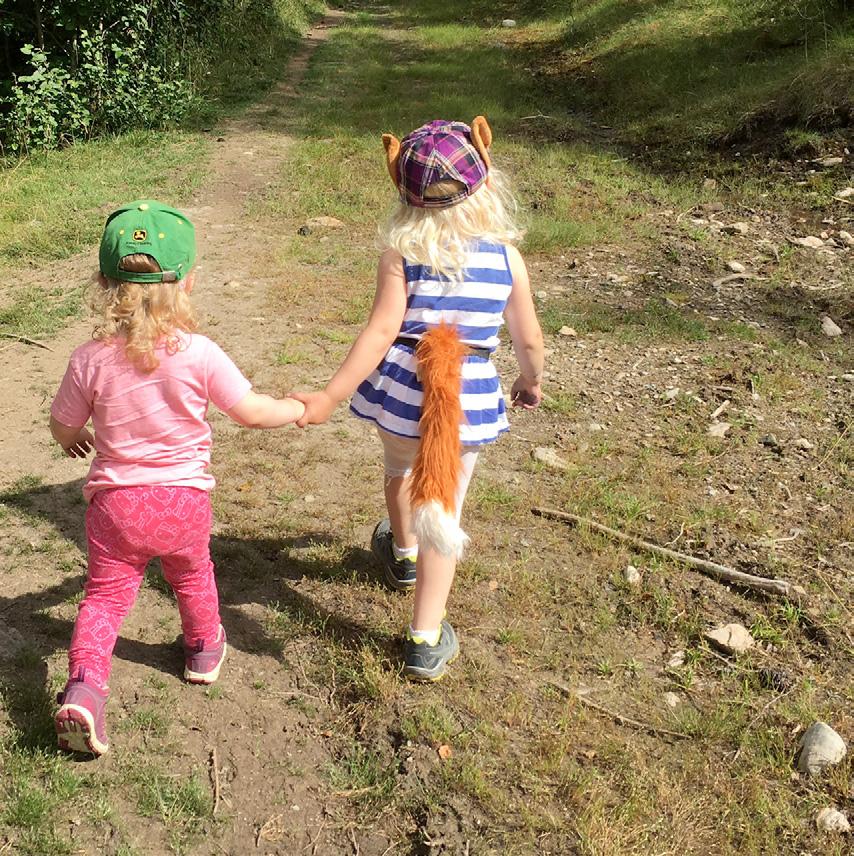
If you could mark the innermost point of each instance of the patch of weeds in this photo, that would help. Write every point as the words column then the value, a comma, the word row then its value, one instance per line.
column 562, row 403
column 214, row 692
column 362, row 773
column 287, row 357
column 36, row 312
column 179, row 802
column 431, row 723
column 492, row 497
column 509, row 636
column 147, row 721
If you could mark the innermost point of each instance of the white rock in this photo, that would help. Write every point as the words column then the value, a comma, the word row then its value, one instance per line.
column 828, row 162
column 541, row 295
column 820, row 747
column 736, row 229
column 849, row 376
column 845, row 238
column 718, row 429
column 509, row 23
column 845, row 193
column 671, row 394
column 632, row 575
column 549, row 457
column 567, row 331
column 829, row 327
column 803, row 443
column 710, row 184
column 593, row 427
column 677, row 660
column 671, row 699
column 832, row 820
column 736, row 267
column 811, row 242
column 731, row 638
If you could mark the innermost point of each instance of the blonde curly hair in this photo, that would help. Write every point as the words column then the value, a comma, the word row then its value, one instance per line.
column 142, row 314
column 441, row 237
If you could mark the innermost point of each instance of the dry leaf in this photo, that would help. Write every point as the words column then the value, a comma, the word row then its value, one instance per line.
column 445, row 751
column 493, row 585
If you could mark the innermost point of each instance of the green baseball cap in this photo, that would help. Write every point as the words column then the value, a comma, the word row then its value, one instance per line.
column 149, row 227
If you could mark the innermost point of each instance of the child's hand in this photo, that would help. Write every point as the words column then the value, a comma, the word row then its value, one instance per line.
column 526, row 394
column 319, row 406
column 81, row 445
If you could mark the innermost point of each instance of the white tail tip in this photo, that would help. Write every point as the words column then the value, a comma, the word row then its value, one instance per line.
column 438, row 529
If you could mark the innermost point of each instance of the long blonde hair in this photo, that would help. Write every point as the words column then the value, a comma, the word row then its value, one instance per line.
column 441, row 237
column 143, row 314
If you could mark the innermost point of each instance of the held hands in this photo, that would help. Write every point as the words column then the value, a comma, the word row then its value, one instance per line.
column 81, row 445
column 525, row 394
column 318, row 407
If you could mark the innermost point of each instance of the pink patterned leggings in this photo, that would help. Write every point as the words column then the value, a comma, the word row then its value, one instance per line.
column 126, row 527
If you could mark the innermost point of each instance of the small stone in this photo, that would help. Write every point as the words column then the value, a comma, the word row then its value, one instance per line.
column 718, row 429
column 509, row 23
column 736, row 229
column 829, row 327
column 832, row 820
column 820, row 747
column 845, row 193
column 803, row 443
column 731, row 638
column 828, row 162
column 811, row 242
column 845, row 238
column 567, row 331
column 549, row 457
column 309, row 498
column 677, row 660
column 736, row 267
column 324, row 222
column 632, row 575
column 710, row 184
column 772, row 443
column 671, row 699
column 671, row 394
column 542, row 295
column 849, row 376
column 595, row 427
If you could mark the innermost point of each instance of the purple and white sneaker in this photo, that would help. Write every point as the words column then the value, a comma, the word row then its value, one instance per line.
column 202, row 663
column 80, row 724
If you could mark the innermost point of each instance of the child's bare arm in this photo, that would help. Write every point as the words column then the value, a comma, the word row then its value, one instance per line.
column 370, row 346
column 526, row 334
column 256, row 410
column 76, row 442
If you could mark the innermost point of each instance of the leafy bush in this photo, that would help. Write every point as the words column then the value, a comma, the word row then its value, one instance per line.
column 81, row 68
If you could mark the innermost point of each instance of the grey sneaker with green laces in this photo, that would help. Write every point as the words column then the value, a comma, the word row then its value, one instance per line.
column 423, row 662
column 398, row 573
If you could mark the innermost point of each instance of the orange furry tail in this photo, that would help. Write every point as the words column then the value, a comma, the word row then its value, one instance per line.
column 436, row 471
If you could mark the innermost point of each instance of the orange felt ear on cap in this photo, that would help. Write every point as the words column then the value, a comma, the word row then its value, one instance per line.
column 481, row 136
column 392, row 154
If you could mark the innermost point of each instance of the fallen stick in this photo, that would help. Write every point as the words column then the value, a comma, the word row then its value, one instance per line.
column 623, row 720
column 719, row 572
column 26, row 340
column 215, row 779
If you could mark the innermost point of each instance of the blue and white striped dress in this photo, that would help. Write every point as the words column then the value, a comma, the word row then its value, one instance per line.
column 391, row 396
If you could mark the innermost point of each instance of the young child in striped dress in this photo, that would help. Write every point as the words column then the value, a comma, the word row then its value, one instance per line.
column 421, row 369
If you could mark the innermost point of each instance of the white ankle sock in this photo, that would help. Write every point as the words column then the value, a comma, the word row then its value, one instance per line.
column 404, row 552
column 431, row 637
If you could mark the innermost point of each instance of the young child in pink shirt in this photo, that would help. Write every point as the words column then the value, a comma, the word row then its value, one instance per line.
column 145, row 381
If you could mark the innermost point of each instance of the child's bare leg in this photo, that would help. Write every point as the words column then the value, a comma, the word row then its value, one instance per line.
column 435, row 572
column 434, row 576
column 399, row 511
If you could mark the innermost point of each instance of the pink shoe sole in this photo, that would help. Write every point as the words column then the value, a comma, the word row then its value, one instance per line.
column 75, row 730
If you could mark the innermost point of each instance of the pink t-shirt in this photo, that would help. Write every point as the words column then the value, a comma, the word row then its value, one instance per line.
column 149, row 428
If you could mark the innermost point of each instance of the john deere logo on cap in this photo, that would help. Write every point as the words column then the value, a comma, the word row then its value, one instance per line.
column 139, row 234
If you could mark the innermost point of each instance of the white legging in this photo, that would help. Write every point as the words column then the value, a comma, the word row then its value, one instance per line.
column 399, row 456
